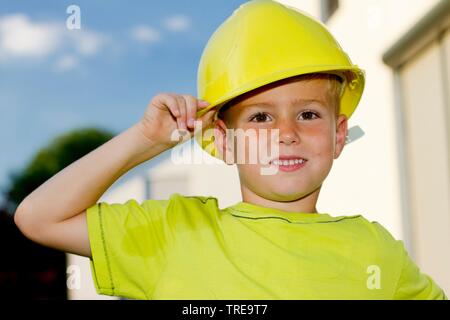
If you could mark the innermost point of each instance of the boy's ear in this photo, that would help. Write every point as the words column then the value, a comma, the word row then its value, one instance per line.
column 221, row 141
column 341, row 135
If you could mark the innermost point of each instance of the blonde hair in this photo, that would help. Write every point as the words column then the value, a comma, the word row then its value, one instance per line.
column 336, row 85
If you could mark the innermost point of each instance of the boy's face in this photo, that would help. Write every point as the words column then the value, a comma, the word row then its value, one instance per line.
column 304, row 113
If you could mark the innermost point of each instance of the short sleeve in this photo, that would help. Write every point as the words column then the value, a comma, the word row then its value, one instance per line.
column 129, row 244
column 415, row 285
column 410, row 283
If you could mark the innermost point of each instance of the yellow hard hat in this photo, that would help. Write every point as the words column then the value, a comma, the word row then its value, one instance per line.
column 264, row 41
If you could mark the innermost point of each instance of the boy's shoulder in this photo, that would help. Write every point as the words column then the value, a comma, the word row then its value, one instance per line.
column 192, row 200
column 373, row 229
column 372, row 234
column 179, row 199
column 378, row 230
column 180, row 204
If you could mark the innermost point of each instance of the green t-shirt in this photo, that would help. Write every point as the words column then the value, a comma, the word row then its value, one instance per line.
column 186, row 247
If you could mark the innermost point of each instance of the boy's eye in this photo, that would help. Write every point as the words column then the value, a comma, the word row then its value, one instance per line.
column 309, row 115
column 259, row 117
column 263, row 117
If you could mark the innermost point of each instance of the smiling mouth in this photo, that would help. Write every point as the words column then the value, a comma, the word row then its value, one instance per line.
column 286, row 162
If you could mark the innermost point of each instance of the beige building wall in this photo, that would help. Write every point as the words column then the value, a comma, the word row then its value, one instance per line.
column 427, row 166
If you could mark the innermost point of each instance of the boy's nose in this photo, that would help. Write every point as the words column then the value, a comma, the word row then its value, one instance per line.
column 288, row 133
column 288, row 139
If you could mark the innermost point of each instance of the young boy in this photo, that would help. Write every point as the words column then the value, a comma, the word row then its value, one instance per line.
column 271, row 70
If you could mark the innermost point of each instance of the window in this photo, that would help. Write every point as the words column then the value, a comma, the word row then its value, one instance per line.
column 328, row 8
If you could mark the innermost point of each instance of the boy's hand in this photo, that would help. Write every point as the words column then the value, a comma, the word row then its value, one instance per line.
column 168, row 112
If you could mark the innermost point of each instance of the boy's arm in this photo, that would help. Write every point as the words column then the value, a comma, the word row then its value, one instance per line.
column 54, row 214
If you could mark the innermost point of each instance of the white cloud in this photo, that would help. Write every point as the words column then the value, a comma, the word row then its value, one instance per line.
column 20, row 37
column 66, row 63
column 88, row 42
column 145, row 34
column 177, row 23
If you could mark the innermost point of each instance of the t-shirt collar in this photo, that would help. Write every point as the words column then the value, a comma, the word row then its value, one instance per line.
column 253, row 211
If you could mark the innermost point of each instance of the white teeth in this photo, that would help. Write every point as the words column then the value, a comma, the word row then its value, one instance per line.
column 287, row 162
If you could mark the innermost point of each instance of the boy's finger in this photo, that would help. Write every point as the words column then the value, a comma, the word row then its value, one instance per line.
column 166, row 102
column 208, row 117
column 173, row 108
column 191, row 109
column 182, row 108
column 202, row 103
column 179, row 123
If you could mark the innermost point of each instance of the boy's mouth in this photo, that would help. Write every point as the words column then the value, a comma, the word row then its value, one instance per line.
column 288, row 163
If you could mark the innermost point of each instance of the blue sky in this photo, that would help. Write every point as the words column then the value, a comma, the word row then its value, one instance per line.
column 53, row 79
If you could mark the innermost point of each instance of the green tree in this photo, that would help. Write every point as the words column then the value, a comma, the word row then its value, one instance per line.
column 60, row 153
